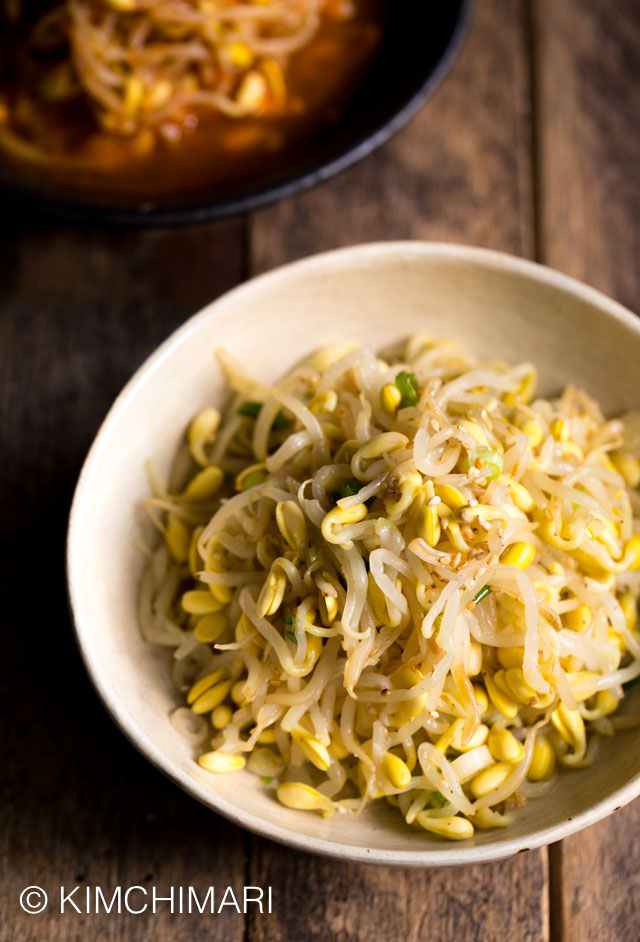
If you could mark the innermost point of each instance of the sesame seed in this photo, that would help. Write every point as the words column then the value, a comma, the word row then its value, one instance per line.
column 435, row 425
column 473, row 502
column 433, row 501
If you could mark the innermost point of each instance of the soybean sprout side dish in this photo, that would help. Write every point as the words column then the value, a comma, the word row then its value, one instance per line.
column 399, row 578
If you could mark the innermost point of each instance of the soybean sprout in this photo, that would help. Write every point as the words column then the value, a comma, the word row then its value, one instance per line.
column 401, row 579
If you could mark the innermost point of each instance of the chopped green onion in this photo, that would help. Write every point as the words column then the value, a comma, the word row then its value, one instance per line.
column 482, row 594
column 491, row 462
column 437, row 798
column 267, row 779
column 350, row 487
column 251, row 410
column 291, row 633
column 281, row 421
column 407, row 383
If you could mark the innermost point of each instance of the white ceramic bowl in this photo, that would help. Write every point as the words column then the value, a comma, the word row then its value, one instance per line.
column 496, row 305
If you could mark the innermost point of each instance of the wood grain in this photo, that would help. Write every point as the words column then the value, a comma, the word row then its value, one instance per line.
column 80, row 311
column 460, row 172
column 320, row 901
column 587, row 95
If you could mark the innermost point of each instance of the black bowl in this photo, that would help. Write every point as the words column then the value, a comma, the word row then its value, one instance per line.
column 418, row 45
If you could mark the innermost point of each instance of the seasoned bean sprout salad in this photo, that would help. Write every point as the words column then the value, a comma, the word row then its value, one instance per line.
column 401, row 578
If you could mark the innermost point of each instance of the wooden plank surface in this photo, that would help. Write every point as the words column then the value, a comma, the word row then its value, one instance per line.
column 319, row 900
column 460, row 172
column 587, row 104
column 80, row 311
column 587, row 98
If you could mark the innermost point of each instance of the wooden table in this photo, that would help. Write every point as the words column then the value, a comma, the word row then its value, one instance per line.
column 532, row 146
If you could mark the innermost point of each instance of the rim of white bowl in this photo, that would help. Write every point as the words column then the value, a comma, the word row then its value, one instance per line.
column 334, row 260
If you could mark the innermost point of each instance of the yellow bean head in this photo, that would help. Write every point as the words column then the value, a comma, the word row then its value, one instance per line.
column 204, row 683
column 451, row 496
column 390, row 397
column 312, row 749
column 452, row 827
column 543, row 760
column 518, row 554
column 201, row 433
column 303, row 797
column 177, row 537
column 501, row 701
column 511, row 657
column 292, row 525
column 221, row 762
column 205, row 484
column 272, row 593
column 578, row 619
column 490, row 779
column 395, row 770
column 337, row 518
column 429, row 525
column 200, row 602
column 503, row 745
column 221, row 716
column 213, row 697
column 211, row 627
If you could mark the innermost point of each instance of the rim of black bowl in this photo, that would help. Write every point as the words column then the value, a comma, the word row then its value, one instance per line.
column 83, row 207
